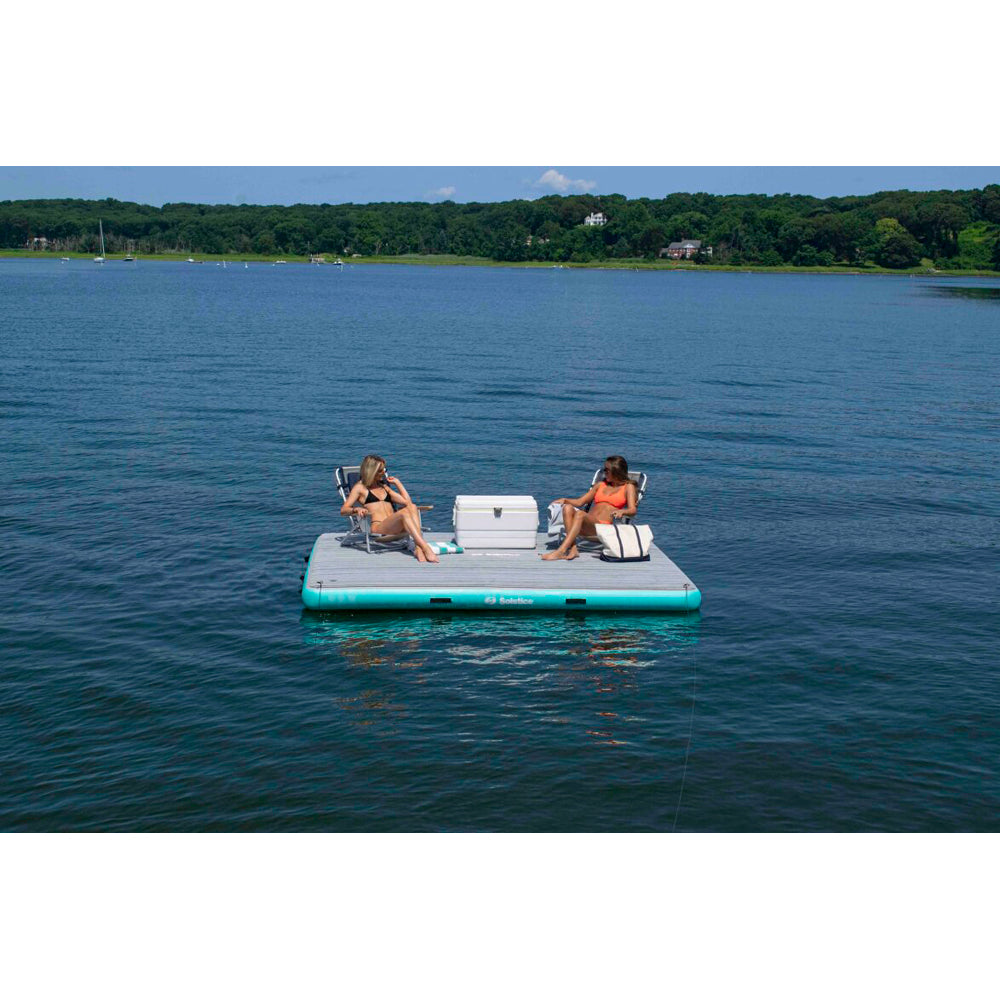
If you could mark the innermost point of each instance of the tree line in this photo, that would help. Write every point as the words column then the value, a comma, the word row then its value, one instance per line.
column 896, row 229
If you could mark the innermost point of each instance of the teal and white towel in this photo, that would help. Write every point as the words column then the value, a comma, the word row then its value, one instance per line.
column 445, row 548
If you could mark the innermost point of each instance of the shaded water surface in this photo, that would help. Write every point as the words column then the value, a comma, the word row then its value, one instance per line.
column 822, row 462
column 980, row 292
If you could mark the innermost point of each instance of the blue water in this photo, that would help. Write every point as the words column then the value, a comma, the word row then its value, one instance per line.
column 823, row 464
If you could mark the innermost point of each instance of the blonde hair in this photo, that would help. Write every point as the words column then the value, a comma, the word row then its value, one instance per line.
column 369, row 469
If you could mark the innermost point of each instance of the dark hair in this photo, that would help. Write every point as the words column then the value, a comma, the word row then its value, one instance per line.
column 619, row 468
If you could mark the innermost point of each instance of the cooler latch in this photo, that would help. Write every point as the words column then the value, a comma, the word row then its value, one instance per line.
column 498, row 511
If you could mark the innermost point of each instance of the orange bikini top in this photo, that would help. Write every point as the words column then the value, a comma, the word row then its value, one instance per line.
column 605, row 494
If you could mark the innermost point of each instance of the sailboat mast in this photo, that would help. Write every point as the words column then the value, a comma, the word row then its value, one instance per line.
column 101, row 226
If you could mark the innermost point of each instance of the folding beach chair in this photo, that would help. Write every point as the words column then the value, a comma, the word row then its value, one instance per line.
column 361, row 535
column 639, row 478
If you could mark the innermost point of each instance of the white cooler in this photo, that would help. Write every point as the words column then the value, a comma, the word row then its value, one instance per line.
column 495, row 522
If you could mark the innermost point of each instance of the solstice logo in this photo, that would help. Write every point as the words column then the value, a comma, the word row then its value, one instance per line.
column 492, row 599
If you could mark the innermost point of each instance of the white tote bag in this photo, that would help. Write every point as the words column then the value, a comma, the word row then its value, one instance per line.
column 625, row 542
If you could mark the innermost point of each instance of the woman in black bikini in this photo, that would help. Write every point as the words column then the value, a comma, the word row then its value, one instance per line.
column 371, row 496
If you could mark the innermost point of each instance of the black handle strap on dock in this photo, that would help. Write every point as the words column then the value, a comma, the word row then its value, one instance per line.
column 621, row 546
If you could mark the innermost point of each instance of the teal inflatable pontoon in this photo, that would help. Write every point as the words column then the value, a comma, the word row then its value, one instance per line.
column 340, row 578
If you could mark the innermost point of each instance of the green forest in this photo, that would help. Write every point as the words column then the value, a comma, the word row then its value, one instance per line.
column 949, row 230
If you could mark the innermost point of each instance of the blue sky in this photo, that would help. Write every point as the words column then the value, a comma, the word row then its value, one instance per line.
column 288, row 185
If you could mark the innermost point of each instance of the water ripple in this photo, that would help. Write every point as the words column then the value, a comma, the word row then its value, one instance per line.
column 822, row 462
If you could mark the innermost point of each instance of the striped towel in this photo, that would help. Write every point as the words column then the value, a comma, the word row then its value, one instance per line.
column 446, row 548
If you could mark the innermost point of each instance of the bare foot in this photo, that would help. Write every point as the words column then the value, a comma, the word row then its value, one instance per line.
column 558, row 554
column 432, row 556
column 419, row 553
column 573, row 553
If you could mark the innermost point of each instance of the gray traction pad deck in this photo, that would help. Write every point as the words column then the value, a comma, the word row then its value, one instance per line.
column 343, row 568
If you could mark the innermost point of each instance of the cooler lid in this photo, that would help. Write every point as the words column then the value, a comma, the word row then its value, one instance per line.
column 520, row 503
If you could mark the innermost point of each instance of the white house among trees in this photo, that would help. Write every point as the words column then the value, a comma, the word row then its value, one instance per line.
column 595, row 219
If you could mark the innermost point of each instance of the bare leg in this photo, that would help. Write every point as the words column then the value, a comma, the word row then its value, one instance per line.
column 574, row 520
column 577, row 519
column 407, row 520
column 412, row 523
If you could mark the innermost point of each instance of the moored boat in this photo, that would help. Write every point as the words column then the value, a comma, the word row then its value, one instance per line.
column 100, row 259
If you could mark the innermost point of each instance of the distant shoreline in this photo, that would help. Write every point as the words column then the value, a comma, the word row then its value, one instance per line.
column 442, row 260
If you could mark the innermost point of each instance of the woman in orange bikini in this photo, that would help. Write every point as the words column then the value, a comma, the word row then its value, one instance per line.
column 611, row 499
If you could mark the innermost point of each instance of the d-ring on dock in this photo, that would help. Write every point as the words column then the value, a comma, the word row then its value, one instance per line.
column 339, row 578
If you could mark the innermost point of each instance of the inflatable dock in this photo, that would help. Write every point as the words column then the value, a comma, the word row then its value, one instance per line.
column 340, row 578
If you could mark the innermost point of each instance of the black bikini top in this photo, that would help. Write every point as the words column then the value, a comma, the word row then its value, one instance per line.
column 374, row 499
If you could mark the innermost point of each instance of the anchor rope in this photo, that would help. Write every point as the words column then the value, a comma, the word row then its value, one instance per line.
column 687, row 752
